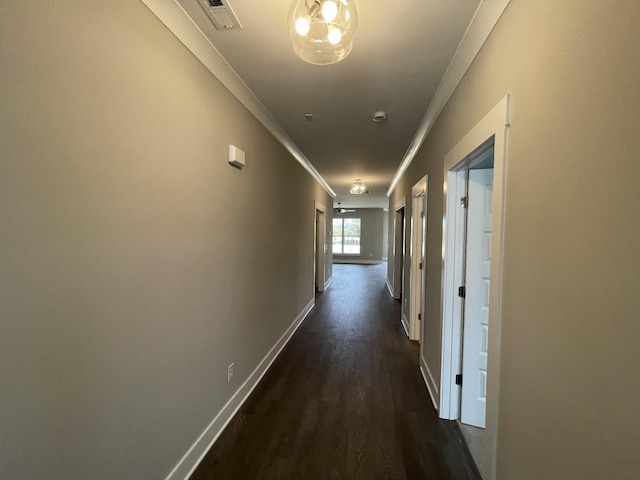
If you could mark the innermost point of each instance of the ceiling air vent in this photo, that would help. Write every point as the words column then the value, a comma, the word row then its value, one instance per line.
column 221, row 14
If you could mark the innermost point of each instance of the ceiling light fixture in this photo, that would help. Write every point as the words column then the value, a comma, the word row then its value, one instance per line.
column 358, row 188
column 322, row 31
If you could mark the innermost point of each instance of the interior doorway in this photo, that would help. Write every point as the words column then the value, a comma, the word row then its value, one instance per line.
column 473, row 237
column 417, row 274
column 398, row 250
column 471, row 183
column 320, row 247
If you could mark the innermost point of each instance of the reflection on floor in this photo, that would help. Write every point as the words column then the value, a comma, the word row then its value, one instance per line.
column 344, row 400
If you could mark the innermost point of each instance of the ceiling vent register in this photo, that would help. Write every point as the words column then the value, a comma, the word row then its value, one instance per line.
column 221, row 14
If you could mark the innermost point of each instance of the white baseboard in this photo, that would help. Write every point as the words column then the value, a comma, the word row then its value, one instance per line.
column 405, row 325
column 432, row 388
column 357, row 261
column 188, row 464
column 328, row 282
column 389, row 287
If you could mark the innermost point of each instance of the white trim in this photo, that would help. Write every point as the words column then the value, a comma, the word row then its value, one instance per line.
column 416, row 274
column 451, row 307
column 432, row 387
column 399, row 204
column 399, row 250
column 405, row 325
column 481, row 25
column 356, row 261
column 495, row 124
column 319, row 261
column 190, row 461
column 176, row 19
column 389, row 287
column 328, row 282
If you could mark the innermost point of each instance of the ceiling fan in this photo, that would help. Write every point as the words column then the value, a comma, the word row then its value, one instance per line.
column 341, row 210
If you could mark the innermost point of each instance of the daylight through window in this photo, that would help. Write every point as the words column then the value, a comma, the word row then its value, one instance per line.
column 346, row 236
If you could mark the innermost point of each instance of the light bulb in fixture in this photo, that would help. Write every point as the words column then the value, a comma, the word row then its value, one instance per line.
column 310, row 27
column 358, row 188
column 329, row 10
column 334, row 36
column 303, row 25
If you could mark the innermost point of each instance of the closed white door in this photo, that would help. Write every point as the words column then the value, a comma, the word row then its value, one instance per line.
column 476, row 303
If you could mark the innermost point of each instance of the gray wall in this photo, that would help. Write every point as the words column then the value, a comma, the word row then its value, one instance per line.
column 136, row 264
column 371, row 224
column 570, row 369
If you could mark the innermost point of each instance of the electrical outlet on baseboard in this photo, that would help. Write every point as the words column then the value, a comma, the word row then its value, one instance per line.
column 231, row 371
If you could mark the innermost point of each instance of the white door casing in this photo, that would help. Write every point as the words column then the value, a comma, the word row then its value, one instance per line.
column 398, row 248
column 320, row 245
column 476, row 303
column 495, row 124
column 423, row 259
column 416, row 254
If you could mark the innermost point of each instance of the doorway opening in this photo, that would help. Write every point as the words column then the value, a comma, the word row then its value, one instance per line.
column 417, row 249
column 473, row 229
column 320, row 247
column 476, row 270
column 398, row 251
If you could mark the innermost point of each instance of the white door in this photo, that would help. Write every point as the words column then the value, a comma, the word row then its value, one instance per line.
column 423, row 262
column 476, row 304
column 416, row 261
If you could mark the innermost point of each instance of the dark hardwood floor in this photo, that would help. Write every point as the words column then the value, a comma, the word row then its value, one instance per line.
column 344, row 400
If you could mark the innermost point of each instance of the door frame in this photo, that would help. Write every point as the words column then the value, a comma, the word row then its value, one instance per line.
column 494, row 125
column 399, row 247
column 319, row 242
column 416, row 252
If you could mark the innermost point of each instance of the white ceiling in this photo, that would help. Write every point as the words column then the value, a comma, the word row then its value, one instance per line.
column 401, row 52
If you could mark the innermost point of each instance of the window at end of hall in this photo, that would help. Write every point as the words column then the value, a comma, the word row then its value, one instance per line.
column 346, row 236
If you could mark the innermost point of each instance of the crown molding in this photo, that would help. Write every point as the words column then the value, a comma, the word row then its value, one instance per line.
column 484, row 20
column 173, row 16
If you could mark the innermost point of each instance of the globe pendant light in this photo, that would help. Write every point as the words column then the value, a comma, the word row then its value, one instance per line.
column 358, row 188
column 322, row 31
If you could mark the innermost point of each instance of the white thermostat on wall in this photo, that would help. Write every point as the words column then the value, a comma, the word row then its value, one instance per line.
column 236, row 156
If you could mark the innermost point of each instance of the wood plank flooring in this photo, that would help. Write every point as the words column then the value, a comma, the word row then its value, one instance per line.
column 344, row 400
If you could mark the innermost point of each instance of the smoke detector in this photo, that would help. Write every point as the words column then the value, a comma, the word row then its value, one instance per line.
column 379, row 117
column 220, row 14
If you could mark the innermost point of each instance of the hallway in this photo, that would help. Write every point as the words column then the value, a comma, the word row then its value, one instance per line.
column 344, row 400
